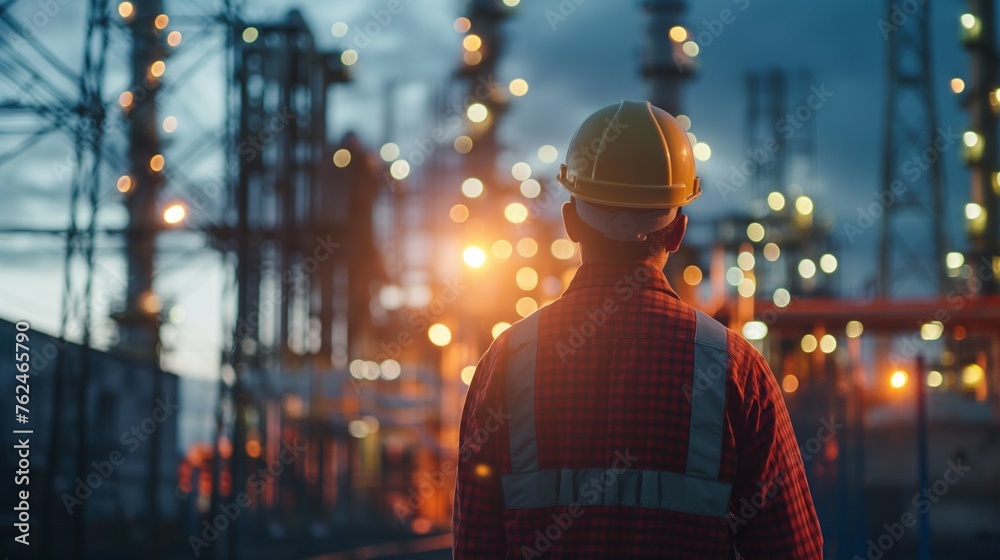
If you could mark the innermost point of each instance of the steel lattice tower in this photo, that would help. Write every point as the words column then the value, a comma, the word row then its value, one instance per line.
column 665, row 66
column 912, row 246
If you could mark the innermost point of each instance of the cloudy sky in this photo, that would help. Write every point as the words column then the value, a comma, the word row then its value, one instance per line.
column 573, row 65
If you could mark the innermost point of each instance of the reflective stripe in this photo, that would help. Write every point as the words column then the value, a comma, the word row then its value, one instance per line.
column 523, row 342
column 617, row 487
column 698, row 491
column 708, row 398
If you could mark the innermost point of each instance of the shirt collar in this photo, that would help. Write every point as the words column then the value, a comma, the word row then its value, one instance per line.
column 636, row 274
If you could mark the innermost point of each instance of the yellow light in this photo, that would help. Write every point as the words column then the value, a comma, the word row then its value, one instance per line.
column 463, row 144
column 342, row 157
column 472, row 187
column 459, row 213
column 124, row 183
column 126, row 9
column 400, row 169
column 390, row 369
column 250, row 34
column 957, row 85
column 516, row 213
column 527, row 278
column 531, row 188
column 502, row 249
column 772, row 252
column 563, row 249
column 804, row 205
column 972, row 374
column 548, row 153
column 349, row 57
column 174, row 38
column 968, row 21
column 828, row 263
column 934, row 379
column 518, row 87
column 520, row 171
column 462, row 25
column 527, row 247
column 809, row 343
column 954, row 260
column 358, row 429
column 702, row 151
column 678, row 34
column 790, row 383
column 684, row 121
column 755, row 232
column 498, row 328
column 161, row 21
column 745, row 260
column 973, row 211
column 932, row 330
column 526, row 306
column 474, row 256
column 854, row 329
column 389, row 152
column 156, row 162
column 690, row 48
column 970, row 138
column 511, row 3
column 776, row 201
column 693, row 275
column 472, row 42
column 482, row 469
column 746, row 288
column 898, row 379
column 174, row 214
column 125, row 99
column 472, row 58
column 439, row 335
column 339, row 29
column 157, row 68
column 807, row 268
column 169, row 124
column 477, row 112
column 781, row 297
column 150, row 303
column 467, row 374
column 828, row 343
column 754, row 330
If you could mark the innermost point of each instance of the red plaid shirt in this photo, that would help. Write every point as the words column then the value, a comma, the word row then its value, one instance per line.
column 613, row 356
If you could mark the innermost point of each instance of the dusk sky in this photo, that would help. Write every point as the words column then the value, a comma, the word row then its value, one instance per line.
column 573, row 64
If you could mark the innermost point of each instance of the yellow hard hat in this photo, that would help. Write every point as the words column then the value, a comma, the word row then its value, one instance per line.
column 631, row 155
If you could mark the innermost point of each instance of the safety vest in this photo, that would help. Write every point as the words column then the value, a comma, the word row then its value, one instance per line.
column 697, row 491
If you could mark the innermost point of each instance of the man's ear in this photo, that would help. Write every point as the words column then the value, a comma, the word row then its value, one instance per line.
column 677, row 233
column 571, row 221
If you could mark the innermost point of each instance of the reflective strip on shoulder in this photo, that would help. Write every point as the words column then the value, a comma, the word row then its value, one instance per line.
column 523, row 343
column 708, row 398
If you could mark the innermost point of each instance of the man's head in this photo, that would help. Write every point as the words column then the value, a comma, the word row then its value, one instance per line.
column 629, row 170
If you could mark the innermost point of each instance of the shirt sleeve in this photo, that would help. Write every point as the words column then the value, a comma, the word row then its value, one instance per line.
column 772, row 510
column 478, row 524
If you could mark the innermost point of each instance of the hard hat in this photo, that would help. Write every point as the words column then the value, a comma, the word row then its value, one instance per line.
column 631, row 155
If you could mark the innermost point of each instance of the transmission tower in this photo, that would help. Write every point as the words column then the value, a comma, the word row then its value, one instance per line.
column 912, row 246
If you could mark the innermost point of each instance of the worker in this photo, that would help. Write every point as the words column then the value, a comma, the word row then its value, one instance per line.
column 619, row 422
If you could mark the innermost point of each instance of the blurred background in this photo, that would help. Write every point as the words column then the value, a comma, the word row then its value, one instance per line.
column 255, row 250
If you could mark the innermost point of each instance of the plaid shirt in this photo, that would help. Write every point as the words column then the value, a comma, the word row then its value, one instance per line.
column 614, row 354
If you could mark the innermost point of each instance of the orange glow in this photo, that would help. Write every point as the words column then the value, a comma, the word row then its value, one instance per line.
column 960, row 332
column 253, row 448
column 482, row 469
column 898, row 379
column 472, row 42
column 692, row 275
column 790, row 383
column 124, row 183
column 161, row 21
column 462, row 25
column 459, row 213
